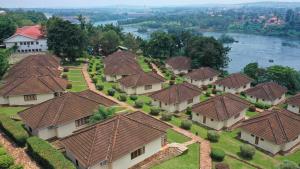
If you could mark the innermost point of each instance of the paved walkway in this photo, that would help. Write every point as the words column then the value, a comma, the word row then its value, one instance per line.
column 205, row 160
column 157, row 69
column 19, row 154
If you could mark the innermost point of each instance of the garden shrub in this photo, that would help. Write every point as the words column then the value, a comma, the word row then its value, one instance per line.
column 46, row 155
column 207, row 94
column 286, row 164
column 99, row 87
column 213, row 136
column 123, row 98
column 66, row 69
column 171, row 82
column 69, row 86
column 138, row 104
column 6, row 161
column 95, row 80
column 189, row 111
column 65, row 76
column 133, row 97
column 204, row 87
column 98, row 67
column 217, row 154
column 252, row 108
column 247, row 151
column 154, row 111
column 214, row 91
column 222, row 166
column 14, row 130
column 149, row 103
column 173, row 77
column 166, row 116
column 210, row 86
column 2, row 151
column 111, row 92
column 261, row 105
column 186, row 124
column 16, row 166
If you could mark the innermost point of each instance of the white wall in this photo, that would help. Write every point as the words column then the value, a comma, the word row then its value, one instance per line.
column 201, row 83
column 233, row 90
column 176, row 71
column 45, row 133
column 294, row 109
column 112, row 78
column 267, row 102
column 19, row 100
column 141, row 89
column 41, row 46
column 3, row 100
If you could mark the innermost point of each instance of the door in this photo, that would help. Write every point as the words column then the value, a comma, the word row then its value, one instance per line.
column 204, row 119
column 256, row 140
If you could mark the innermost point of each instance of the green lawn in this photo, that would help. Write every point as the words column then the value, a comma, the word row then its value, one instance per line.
column 143, row 64
column 9, row 111
column 251, row 114
column 75, row 77
column 189, row 160
column 175, row 137
column 236, row 164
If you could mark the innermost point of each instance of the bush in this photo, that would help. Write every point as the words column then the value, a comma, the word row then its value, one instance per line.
column 69, row 86
column 99, row 87
column 111, row 92
column 207, row 94
column 173, row 77
column 14, row 130
column 95, row 80
column 262, row 105
column 16, row 166
column 286, row 164
column 2, row 151
column 217, row 154
column 213, row 136
column 133, row 97
column 222, row 166
column 46, row 155
column 154, row 111
column 252, row 108
column 210, row 86
column 123, row 98
column 214, row 91
column 138, row 104
column 66, row 69
column 247, row 151
column 186, row 124
column 149, row 103
column 65, row 76
column 189, row 111
column 6, row 161
column 204, row 87
column 166, row 116
column 98, row 67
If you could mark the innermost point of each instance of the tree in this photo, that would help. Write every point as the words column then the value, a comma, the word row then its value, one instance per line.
column 7, row 27
column 102, row 114
column 207, row 51
column 131, row 42
column 110, row 40
column 65, row 39
column 4, row 54
column 95, row 41
column 255, row 72
column 290, row 17
column 288, row 165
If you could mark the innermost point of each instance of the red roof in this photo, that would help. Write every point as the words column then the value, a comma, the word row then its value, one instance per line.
column 34, row 32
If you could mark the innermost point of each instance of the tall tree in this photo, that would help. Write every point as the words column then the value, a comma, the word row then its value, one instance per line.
column 290, row 17
column 7, row 27
column 131, row 42
column 110, row 40
column 4, row 54
column 207, row 51
column 65, row 39
column 103, row 113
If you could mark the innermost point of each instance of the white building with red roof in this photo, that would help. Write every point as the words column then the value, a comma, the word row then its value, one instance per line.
column 28, row 39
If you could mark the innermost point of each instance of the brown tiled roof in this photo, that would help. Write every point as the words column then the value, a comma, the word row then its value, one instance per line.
column 122, row 68
column 295, row 100
column 176, row 93
column 235, row 80
column 277, row 126
column 33, row 85
column 68, row 107
column 179, row 62
column 111, row 139
column 221, row 107
column 203, row 73
column 141, row 79
column 267, row 91
column 119, row 56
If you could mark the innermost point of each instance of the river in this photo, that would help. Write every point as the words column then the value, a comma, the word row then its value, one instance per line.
column 249, row 48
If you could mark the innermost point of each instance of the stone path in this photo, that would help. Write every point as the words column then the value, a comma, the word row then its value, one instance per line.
column 157, row 69
column 205, row 160
column 19, row 154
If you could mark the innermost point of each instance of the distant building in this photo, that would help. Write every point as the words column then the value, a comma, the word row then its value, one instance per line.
column 28, row 39
column 294, row 104
column 179, row 64
column 202, row 76
column 2, row 12
column 234, row 83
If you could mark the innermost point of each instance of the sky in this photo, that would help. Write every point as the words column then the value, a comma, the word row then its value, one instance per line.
column 102, row 3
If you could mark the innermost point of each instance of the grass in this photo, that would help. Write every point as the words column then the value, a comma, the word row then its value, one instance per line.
column 236, row 164
column 189, row 160
column 10, row 111
column 175, row 137
column 143, row 64
column 251, row 114
column 77, row 80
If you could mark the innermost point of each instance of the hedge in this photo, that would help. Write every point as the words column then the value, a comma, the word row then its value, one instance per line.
column 6, row 161
column 46, row 155
column 217, row 154
column 186, row 124
column 213, row 136
column 14, row 130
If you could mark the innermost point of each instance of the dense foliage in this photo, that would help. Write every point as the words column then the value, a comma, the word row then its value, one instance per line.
column 288, row 165
column 14, row 130
column 46, row 155
column 4, row 64
column 217, row 154
column 247, row 151
column 213, row 136
column 103, row 113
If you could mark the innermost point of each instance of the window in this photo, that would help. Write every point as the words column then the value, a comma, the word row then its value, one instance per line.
column 25, row 50
column 245, row 86
column 261, row 139
column 197, row 114
column 40, row 49
column 148, row 87
column 103, row 163
column 190, row 101
column 31, row 43
column 56, row 94
column 82, row 121
column 19, row 51
column 16, row 44
column 30, row 129
column 37, row 43
column 30, row 97
column 21, row 43
column 138, row 152
column 237, row 116
column 252, row 135
column 22, row 50
column 211, row 119
column 29, row 50
column 76, row 162
column 28, row 43
column 211, row 79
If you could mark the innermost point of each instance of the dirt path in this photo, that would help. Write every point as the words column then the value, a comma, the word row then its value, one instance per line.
column 19, row 154
column 205, row 160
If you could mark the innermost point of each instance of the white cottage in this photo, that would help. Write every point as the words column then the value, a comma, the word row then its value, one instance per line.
column 117, row 143
column 202, row 76
column 234, row 83
column 28, row 39
column 273, row 131
column 220, row 111
column 179, row 64
column 294, row 104
column 61, row 116
column 177, row 97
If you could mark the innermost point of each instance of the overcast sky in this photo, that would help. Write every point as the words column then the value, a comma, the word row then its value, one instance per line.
column 99, row 3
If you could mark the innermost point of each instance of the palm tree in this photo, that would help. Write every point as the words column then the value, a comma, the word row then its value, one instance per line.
column 102, row 114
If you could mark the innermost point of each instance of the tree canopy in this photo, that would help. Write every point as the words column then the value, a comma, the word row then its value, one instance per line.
column 109, row 40
column 4, row 54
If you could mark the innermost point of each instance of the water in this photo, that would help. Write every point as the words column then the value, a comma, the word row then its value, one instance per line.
column 249, row 48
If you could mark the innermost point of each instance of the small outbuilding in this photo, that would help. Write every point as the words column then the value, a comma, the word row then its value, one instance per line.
column 234, row 83
column 294, row 104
